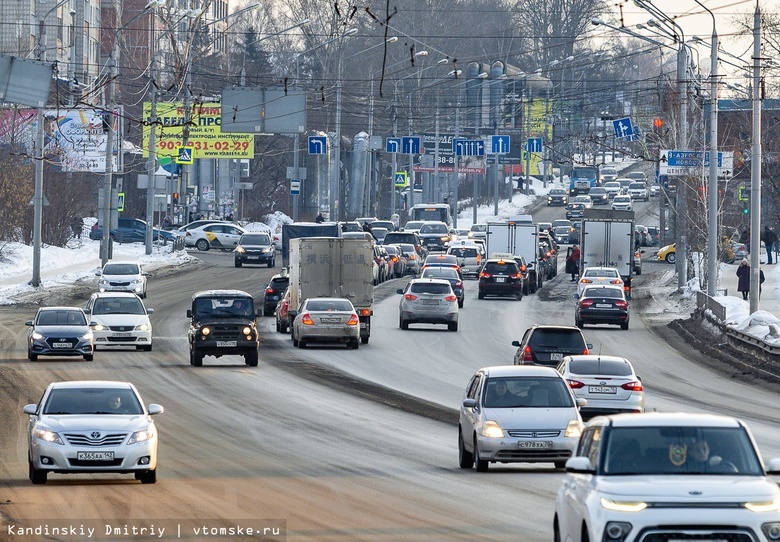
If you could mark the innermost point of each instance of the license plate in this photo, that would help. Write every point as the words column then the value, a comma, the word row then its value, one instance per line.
column 500, row 279
column 330, row 320
column 535, row 444
column 95, row 456
column 227, row 343
column 602, row 389
column 556, row 356
column 276, row 297
column 603, row 306
column 62, row 345
column 430, row 302
column 253, row 257
column 121, row 335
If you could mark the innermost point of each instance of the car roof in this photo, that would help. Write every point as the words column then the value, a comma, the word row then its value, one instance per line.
column 602, row 268
column 556, row 327
column 114, row 294
column 674, row 419
column 91, row 384
column 221, row 293
column 519, row 370
column 429, row 281
column 123, row 262
column 595, row 357
column 60, row 308
column 327, row 299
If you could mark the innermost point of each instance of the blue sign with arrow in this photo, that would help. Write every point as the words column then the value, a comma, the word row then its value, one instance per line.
column 499, row 144
column 534, row 144
column 468, row 147
column 623, row 128
column 411, row 144
column 393, row 145
column 318, row 145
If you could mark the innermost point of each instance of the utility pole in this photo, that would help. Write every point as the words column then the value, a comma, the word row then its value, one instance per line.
column 151, row 164
column 108, row 187
column 682, row 190
column 755, row 166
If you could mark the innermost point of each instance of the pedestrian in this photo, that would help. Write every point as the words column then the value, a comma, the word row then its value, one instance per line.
column 320, row 219
column 167, row 223
column 769, row 238
column 573, row 262
column 744, row 238
column 743, row 273
column 761, row 279
column 77, row 226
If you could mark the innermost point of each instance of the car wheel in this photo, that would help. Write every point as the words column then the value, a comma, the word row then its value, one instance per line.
column 88, row 357
column 637, row 270
column 301, row 343
column 479, row 463
column 147, row 477
column 292, row 336
column 278, row 326
column 271, row 264
column 671, row 257
column 584, row 536
column 556, row 530
column 238, row 263
column 465, row 458
column 519, row 297
column 460, row 303
column 452, row 326
column 202, row 245
column 354, row 344
column 364, row 339
column 144, row 347
column 251, row 358
column 283, row 328
column 31, row 356
column 579, row 323
column 480, row 295
column 197, row 358
column 403, row 324
column 624, row 325
column 36, row 476
column 525, row 289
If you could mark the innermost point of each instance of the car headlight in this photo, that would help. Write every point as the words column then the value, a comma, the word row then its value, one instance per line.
column 47, row 435
column 137, row 281
column 492, row 429
column 140, row 436
column 240, row 250
column 37, row 336
column 143, row 327
column 266, row 250
column 573, row 429
column 205, row 330
column 102, row 282
column 98, row 327
column 247, row 330
column 87, row 336
column 622, row 506
column 766, row 506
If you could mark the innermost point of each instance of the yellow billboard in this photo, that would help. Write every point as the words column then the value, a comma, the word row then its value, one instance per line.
column 538, row 127
column 205, row 138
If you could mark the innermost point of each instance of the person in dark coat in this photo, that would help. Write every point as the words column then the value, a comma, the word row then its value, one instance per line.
column 320, row 219
column 743, row 273
column 573, row 262
column 769, row 238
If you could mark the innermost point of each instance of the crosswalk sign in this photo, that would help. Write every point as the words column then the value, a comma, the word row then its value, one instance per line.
column 184, row 155
column 400, row 179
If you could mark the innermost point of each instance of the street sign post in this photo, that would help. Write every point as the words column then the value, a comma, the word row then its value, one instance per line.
column 410, row 144
column 623, row 128
column 184, row 155
column 393, row 145
column 534, row 144
column 677, row 162
column 318, row 145
column 499, row 144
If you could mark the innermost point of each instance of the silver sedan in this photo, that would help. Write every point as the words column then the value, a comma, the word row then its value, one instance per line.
column 326, row 319
column 428, row 301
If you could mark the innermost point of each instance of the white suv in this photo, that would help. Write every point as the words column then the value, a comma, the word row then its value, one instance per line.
column 667, row 476
column 638, row 191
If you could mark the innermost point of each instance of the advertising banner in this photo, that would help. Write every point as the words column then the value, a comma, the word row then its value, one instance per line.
column 206, row 138
column 74, row 139
column 425, row 161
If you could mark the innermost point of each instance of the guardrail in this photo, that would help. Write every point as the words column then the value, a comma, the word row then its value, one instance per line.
column 706, row 303
column 177, row 244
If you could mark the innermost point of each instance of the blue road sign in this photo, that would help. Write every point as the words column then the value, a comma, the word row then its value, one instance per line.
column 411, row 144
column 499, row 144
column 468, row 147
column 534, row 144
column 184, row 155
column 393, row 145
column 295, row 187
column 690, row 159
column 623, row 128
column 400, row 179
column 318, row 145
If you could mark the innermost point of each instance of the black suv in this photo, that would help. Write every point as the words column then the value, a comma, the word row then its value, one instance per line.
column 500, row 277
column 547, row 345
column 273, row 292
column 222, row 322
column 255, row 248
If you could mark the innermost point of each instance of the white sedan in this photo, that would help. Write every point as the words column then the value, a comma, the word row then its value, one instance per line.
column 595, row 276
column 120, row 319
column 224, row 236
column 622, row 203
column 92, row 426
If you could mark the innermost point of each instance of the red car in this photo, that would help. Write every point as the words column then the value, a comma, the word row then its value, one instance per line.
column 282, row 312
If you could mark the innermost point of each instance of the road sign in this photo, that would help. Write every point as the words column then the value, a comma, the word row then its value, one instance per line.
column 534, row 144
column 623, row 128
column 744, row 193
column 295, row 187
column 410, row 144
column 120, row 201
column 677, row 162
column 499, row 144
column 401, row 179
column 244, row 186
column 184, row 155
column 318, row 144
column 468, row 147
column 393, row 145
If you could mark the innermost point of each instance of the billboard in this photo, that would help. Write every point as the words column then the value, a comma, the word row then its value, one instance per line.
column 206, row 138
column 74, row 139
column 425, row 161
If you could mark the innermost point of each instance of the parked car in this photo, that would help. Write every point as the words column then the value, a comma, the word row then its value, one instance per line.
column 548, row 344
column 428, row 301
column 130, row 230
column 119, row 276
column 182, row 230
column 273, row 291
column 609, row 384
column 602, row 304
column 594, row 276
column 641, row 476
column 282, row 312
column 60, row 331
column 218, row 236
column 557, row 196
column 449, row 274
column 324, row 320
column 255, row 248
column 622, row 203
column 119, row 319
column 382, row 259
column 92, row 427
column 515, row 414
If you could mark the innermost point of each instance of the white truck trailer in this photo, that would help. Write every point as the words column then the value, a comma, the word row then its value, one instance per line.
column 333, row 267
column 520, row 239
column 608, row 241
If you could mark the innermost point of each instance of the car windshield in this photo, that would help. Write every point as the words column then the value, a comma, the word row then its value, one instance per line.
column 560, row 339
column 562, row 230
column 434, row 228
column 118, row 305
column 61, row 318
column 608, row 273
column 413, row 225
column 223, row 307
column 612, row 293
column 500, row 268
column 430, row 288
column 526, row 392
column 637, row 186
column 255, row 239
column 557, row 192
column 599, row 367
column 461, row 252
column 680, row 450
column 439, row 273
column 120, row 269
column 329, row 305
column 479, row 227
column 92, row 401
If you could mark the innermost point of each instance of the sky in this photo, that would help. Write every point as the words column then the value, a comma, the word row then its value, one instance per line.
column 80, row 260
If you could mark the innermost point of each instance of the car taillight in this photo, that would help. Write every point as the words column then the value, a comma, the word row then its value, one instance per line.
column 306, row 320
column 622, row 304
column 364, row 312
column 353, row 320
column 514, row 275
column 523, row 268
column 633, row 386
column 585, row 281
column 459, row 284
column 410, row 297
column 412, row 257
column 451, row 298
column 585, row 303
column 585, row 351
column 575, row 384
column 269, row 291
column 527, row 356
column 484, row 275
column 616, row 281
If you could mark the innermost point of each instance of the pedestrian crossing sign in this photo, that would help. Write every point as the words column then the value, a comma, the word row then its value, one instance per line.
column 184, row 155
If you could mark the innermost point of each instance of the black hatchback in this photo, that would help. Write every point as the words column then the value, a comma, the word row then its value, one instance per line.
column 273, row 292
column 500, row 277
column 548, row 344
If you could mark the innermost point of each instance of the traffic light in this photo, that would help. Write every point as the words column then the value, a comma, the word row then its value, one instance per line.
column 175, row 198
column 658, row 124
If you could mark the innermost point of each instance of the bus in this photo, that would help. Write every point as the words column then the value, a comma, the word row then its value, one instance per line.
column 432, row 211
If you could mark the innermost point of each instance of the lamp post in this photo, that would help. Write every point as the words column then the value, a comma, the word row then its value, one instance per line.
column 755, row 164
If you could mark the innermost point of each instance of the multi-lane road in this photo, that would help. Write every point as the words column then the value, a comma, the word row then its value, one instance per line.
column 313, row 438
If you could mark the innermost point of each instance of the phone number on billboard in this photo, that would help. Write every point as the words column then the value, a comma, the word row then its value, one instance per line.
column 206, row 146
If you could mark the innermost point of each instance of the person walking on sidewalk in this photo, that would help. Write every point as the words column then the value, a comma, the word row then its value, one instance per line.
column 573, row 262
column 743, row 273
column 769, row 238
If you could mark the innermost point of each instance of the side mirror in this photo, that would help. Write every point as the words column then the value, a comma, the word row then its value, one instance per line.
column 155, row 409
column 30, row 409
column 189, row 313
column 259, row 312
column 399, row 291
column 516, row 343
column 580, row 464
column 589, row 345
column 773, row 466
column 581, row 402
column 87, row 311
column 28, row 323
column 470, row 403
column 98, row 273
column 146, row 274
column 149, row 311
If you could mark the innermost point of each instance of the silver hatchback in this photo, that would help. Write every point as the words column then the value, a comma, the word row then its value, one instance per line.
column 428, row 301
column 326, row 319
